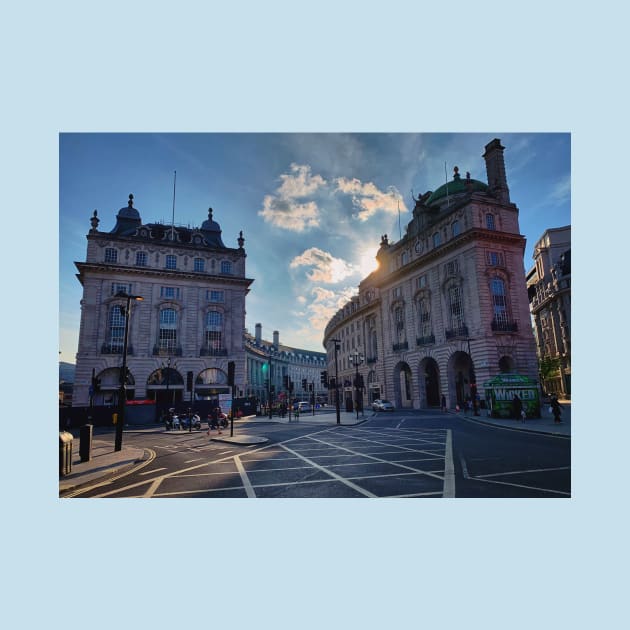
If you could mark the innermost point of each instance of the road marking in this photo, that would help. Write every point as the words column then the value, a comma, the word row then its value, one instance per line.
column 190, row 461
column 518, row 485
column 224, row 452
column 398, row 425
column 521, row 472
column 449, row 468
column 153, row 487
column 331, row 473
column 245, row 479
column 150, row 472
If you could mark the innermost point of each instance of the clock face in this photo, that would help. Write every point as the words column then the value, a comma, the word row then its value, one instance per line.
column 418, row 247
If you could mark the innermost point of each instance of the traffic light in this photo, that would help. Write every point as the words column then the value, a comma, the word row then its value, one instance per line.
column 230, row 373
column 285, row 381
column 304, row 384
column 310, row 387
column 290, row 385
column 189, row 379
column 324, row 378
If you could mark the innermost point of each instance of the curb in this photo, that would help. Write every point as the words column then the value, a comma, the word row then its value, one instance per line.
column 510, row 428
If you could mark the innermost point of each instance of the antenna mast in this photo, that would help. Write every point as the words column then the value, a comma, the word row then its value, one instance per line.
column 173, row 217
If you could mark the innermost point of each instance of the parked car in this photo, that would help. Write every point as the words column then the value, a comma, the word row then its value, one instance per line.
column 302, row 406
column 382, row 405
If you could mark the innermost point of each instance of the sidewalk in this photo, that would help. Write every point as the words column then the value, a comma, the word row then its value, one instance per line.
column 104, row 462
column 544, row 424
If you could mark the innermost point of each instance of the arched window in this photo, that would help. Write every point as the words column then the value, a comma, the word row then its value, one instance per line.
column 456, row 307
column 499, row 300
column 214, row 330
column 168, row 330
column 424, row 317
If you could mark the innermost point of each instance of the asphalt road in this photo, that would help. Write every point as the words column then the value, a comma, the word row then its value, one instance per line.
column 399, row 454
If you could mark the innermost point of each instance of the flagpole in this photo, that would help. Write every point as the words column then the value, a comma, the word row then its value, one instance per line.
column 173, row 217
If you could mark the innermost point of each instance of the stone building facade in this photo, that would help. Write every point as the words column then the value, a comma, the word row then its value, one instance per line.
column 190, row 320
column 269, row 362
column 447, row 308
column 549, row 289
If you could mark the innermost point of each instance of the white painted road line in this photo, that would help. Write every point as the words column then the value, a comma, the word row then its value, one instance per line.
column 332, row 474
column 246, row 483
column 449, row 468
column 150, row 472
column 522, row 472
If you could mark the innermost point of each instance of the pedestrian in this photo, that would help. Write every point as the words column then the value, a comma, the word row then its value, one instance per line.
column 517, row 407
column 443, row 403
column 556, row 409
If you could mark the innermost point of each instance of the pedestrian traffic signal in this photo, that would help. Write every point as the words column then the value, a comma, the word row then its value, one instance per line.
column 324, row 378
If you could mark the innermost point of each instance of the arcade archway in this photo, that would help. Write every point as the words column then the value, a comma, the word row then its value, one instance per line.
column 403, row 385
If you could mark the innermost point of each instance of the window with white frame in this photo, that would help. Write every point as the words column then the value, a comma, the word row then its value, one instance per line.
column 199, row 265
column 226, row 267
column 495, row 259
column 167, row 340
column 455, row 229
column 490, row 221
column 456, row 307
column 214, row 330
column 499, row 300
column 436, row 239
column 116, row 327
column 141, row 259
column 421, row 282
column 452, row 268
column 111, row 255
column 424, row 317
column 171, row 261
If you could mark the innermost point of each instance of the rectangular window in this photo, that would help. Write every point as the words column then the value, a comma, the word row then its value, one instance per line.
column 455, row 229
column 436, row 239
column 452, row 268
column 141, row 259
column 200, row 264
column 490, row 221
column 495, row 259
column 169, row 292
column 456, row 308
column 215, row 296
column 111, row 255
column 226, row 266
column 421, row 282
column 397, row 292
column 118, row 287
column 171, row 261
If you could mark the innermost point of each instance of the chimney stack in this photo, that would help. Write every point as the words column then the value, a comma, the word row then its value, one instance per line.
column 258, row 333
column 276, row 338
column 495, row 168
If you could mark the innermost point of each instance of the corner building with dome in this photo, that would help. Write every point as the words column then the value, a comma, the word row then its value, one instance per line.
column 447, row 309
column 190, row 320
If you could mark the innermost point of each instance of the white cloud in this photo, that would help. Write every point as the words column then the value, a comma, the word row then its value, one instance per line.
column 325, row 267
column 562, row 190
column 368, row 199
column 288, row 208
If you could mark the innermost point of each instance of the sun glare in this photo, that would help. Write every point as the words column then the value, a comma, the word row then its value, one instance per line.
column 368, row 262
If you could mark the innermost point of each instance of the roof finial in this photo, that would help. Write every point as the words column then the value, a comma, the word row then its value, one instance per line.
column 456, row 172
column 130, row 204
column 94, row 221
column 241, row 240
column 210, row 214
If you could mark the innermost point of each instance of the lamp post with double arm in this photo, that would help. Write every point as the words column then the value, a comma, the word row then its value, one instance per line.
column 122, row 392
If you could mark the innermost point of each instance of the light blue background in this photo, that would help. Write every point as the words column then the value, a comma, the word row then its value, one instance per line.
column 330, row 66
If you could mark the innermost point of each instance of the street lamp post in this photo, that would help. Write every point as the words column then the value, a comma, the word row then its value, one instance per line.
column 337, row 342
column 357, row 359
column 122, row 393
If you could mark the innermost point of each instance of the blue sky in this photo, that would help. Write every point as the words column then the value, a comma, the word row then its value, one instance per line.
column 312, row 207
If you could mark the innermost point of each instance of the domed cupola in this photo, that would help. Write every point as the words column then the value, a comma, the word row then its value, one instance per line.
column 212, row 231
column 456, row 187
column 127, row 220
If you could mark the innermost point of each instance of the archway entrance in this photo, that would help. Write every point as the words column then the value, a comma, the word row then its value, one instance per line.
column 165, row 386
column 109, row 389
column 403, row 385
column 429, row 374
column 460, row 370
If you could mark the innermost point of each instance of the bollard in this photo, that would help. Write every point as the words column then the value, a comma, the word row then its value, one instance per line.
column 85, row 442
column 65, row 453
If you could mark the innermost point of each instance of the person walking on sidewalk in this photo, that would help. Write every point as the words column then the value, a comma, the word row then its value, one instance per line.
column 556, row 409
column 443, row 402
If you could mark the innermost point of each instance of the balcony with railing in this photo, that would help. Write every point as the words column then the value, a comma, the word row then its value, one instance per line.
column 167, row 351
column 455, row 333
column 208, row 351
column 425, row 341
column 504, row 325
column 371, row 360
column 115, row 348
column 399, row 347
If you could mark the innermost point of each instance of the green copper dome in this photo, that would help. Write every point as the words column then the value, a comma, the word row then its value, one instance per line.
column 456, row 187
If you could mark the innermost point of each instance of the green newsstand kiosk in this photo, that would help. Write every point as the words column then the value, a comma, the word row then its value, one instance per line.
column 500, row 392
